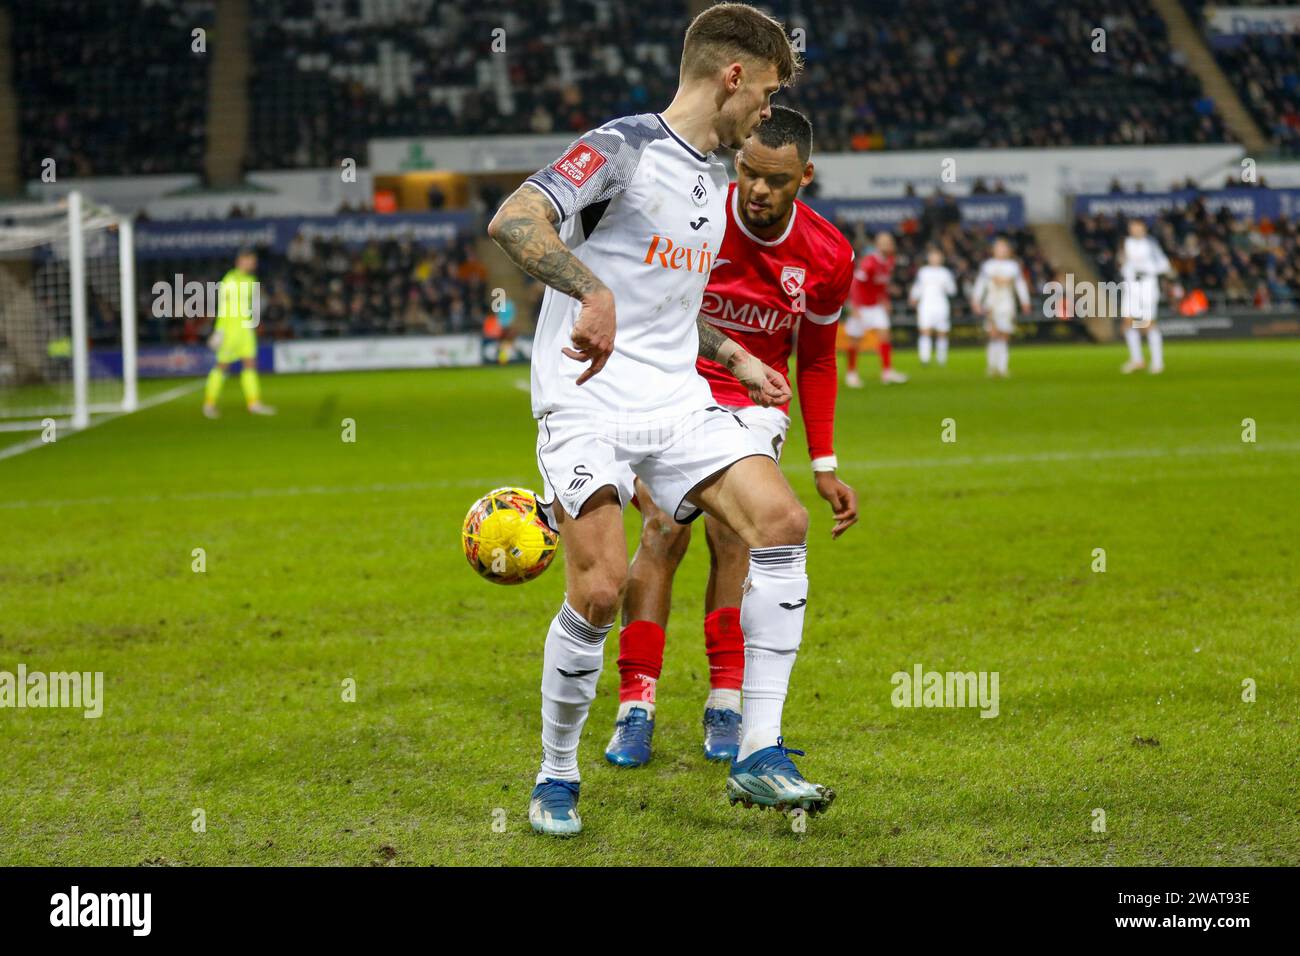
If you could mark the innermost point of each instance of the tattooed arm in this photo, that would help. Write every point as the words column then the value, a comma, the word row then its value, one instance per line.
column 766, row 386
column 525, row 229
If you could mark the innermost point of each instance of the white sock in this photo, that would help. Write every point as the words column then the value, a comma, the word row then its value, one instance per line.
column 941, row 350
column 1004, row 355
column 923, row 346
column 723, row 700
column 1134, row 339
column 771, row 615
column 1156, row 342
column 626, row 706
column 576, row 647
column 991, row 353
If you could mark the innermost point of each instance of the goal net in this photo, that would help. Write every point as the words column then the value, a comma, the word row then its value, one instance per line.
column 67, row 314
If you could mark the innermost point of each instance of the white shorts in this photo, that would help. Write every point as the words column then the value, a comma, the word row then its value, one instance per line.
column 578, row 454
column 770, row 425
column 865, row 317
column 934, row 319
column 1003, row 320
column 1141, row 300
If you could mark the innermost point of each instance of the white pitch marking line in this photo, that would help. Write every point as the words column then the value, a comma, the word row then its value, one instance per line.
column 238, row 495
column 1049, row 456
column 13, row 451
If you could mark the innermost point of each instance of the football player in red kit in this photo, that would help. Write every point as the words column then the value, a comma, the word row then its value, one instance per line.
column 777, row 287
column 869, row 309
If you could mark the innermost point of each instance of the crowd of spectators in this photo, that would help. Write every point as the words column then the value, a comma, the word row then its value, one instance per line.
column 964, row 246
column 1232, row 260
column 1264, row 67
column 124, row 92
column 326, row 289
column 325, row 80
column 1266, row 71
column 907, row 74
column 881, row 74
column 110, row 88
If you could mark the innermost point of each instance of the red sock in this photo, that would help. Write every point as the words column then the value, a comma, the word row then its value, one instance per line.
column 640, row 659
column 886, row 350
column 853, row 360
column 724, row 642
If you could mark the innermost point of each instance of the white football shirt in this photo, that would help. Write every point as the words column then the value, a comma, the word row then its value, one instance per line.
column 931, row 288
column 646, row 213
column 1143, row 258
column 999, row 284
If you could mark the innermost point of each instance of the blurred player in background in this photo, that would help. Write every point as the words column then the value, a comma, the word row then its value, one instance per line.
column 1142, row 263
column 783, row 273
column 1000, row 283
column 233, row 337
column 869, row 311
column 931, row 289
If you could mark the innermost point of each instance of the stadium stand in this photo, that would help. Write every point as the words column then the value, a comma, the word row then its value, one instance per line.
column 328, row 76
column 1265, row 70
column 965, row 247
column 122, row 94
column 325, row 81
column 994, row 73
column 324, row 289
column 881, row 75
column 1232, row 260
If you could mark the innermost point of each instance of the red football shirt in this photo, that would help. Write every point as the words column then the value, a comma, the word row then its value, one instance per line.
column 871, row 280
column 762, row 291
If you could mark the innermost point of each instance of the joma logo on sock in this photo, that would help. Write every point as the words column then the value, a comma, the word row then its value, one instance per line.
column 923, row 688
column 134, row 910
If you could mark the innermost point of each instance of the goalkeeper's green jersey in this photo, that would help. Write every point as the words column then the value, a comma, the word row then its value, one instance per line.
column 235, row 300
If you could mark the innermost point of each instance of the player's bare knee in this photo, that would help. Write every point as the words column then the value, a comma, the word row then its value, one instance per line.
column 785, row 523
column 600, row 596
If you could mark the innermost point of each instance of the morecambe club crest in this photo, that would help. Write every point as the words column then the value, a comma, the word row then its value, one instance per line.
column 792, row 280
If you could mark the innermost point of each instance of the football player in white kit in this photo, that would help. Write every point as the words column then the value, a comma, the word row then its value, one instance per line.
column 931, row 289
column 1000, row 283
column 1142, row 263
column 631, row 218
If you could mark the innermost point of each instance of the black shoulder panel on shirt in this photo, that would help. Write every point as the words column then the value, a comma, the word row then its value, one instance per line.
column 591, row 217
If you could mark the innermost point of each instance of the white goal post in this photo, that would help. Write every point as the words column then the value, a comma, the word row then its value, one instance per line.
column 67, row 313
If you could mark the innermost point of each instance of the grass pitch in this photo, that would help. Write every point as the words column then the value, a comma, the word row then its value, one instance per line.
column 326, row 561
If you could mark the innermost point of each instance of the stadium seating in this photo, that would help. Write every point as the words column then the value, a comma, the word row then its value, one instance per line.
column 965, row 248
column 882, row 74
column 325, row 82
column 121, row 94
column 326, row 77
column 1233, row 261
column 1265, row 68
column 323, row 289
column 993, row 73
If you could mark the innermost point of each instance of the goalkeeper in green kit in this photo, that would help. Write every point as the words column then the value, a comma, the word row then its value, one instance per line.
column 234, row 338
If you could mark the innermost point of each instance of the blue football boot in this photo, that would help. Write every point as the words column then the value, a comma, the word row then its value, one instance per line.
column 721, row 734
column 553, row 808
column 769, row 778
column 633, row 736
